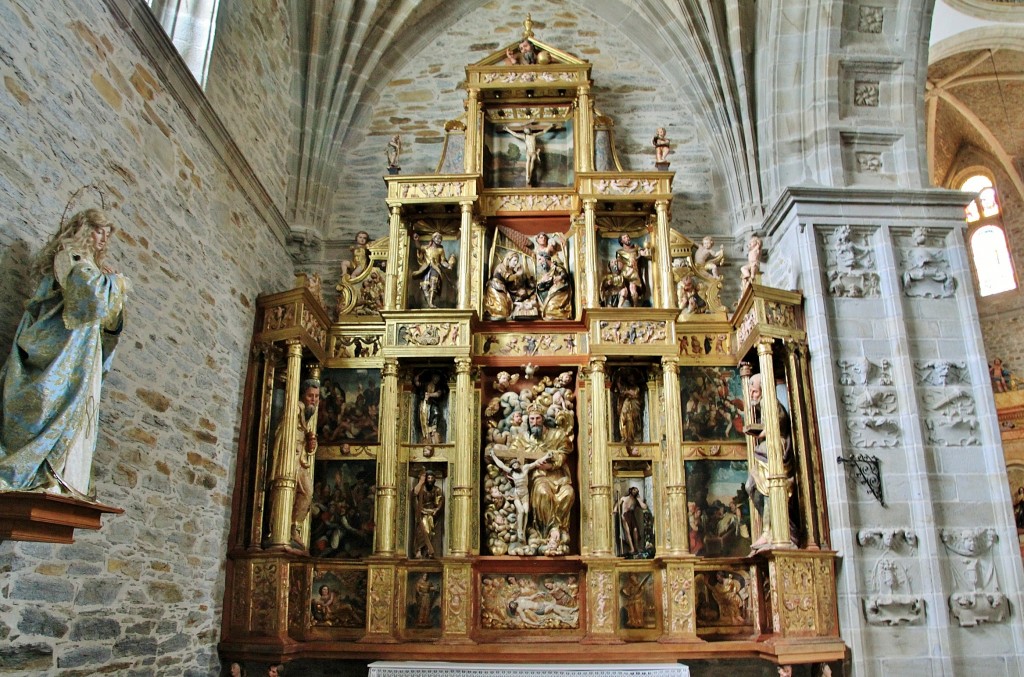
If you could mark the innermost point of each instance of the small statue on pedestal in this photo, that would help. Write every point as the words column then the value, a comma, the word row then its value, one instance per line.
column 662, row 148
column 749, row 273
column 393, row 152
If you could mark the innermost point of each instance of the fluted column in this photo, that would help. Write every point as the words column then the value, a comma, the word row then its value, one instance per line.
column 462, row 463
column 778, row 498
column 585, row 126
column 600, row 463
column 675, row 469
column 667, row 298
column 471, row 155
column 590, row 253
column 391, row 282
column 387, row 463
column 285, row 462
column 801, row 415
column 465, row 244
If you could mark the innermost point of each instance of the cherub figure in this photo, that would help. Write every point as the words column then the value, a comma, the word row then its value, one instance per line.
column 661, row 146
column 360, row 256
column 707, row 259
column 750, row 271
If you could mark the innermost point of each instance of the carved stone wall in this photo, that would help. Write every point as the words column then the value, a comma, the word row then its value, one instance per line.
column 902, row 374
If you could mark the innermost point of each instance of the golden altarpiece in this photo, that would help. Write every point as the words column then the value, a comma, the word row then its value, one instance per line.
column 534, row 438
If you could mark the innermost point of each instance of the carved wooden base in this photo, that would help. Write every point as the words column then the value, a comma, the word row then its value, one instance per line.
column 47, row 518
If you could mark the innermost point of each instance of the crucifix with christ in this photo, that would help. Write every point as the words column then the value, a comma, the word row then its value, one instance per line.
column 528, row 134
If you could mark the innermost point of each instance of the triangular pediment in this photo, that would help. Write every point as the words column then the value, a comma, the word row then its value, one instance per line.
column 511, row 55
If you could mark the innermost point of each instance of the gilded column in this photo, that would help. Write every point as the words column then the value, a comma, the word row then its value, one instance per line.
column 665, row 287
column 778, row 491
column 391, row 282
column 472, row 151
column 285, row 462
column 465, row 247
column 387, row 463
column 590, row 247
column 801, row 416
column 462, row 463
column 600, row 463
column 675, row 469
column 585, row 119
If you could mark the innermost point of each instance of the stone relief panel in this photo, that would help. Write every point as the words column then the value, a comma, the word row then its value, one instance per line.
column 941, row 373
column 892, row 601
column 870, row 403
column 976, row 595
column 924, row 268
column 952, row 419
column 851, row 270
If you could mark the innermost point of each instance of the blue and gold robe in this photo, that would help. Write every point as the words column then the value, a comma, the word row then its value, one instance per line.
column 49, row 386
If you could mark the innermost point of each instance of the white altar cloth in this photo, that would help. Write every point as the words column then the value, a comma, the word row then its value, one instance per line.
column 446, row 669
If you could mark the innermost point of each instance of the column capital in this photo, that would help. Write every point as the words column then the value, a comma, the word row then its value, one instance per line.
column 670, row 363
column 764, row 345
column 463, row 365
column 597, row 364
column 390, row 367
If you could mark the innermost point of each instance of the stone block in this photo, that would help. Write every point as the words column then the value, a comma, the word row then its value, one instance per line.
column 83, row 655
column 95, row 627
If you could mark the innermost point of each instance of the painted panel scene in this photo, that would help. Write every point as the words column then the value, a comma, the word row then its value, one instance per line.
column 530, row 601
column 718, row 507
column 349, row 402
column 636, row 601
column 712, row 400
column 723, row 599
column 339, row 599
column 341, row 518
column 423, row 600
column 529, row 154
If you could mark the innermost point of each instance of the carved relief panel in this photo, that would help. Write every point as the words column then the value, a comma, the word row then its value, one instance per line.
column 892, row 601
column 869, row 399
column 850, row 267
column 976, row 595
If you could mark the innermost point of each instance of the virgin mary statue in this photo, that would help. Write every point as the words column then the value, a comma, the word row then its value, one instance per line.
column 50, row 384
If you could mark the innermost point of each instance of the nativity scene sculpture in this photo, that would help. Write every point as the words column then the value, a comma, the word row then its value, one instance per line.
column 63, row 347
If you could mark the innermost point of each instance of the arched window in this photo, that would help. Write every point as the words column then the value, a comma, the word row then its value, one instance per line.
column 990, row 252
column 190, row 25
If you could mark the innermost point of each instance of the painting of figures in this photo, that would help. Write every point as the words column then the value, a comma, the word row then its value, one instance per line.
column 712, row 400
column 338, row 598
column 341, row 518
column 718, row 508
column 349, row 402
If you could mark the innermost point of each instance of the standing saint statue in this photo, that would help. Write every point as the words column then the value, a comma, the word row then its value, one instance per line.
column 50, row 384
column 432, row 392
column 434, row 267
column 428, row 499
column 304, row 453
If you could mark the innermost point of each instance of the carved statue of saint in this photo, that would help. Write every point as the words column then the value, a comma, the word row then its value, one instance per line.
column 757, row 480
column 428, row 499
column 434, row 267
column 394, row 152
column 554, row 287
column 50, row 384
column 304, row 454
column 623, row 285
column 629, row 400
column 432, row 392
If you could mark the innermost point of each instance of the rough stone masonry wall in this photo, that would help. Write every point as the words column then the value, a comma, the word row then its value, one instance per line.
column 425, row 93
column 79, row 103
column 250, row 85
